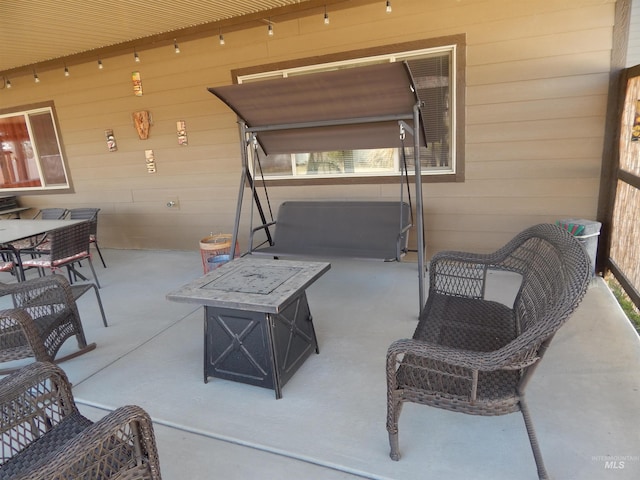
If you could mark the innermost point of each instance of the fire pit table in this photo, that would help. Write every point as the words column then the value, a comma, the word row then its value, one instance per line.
column 258, row 326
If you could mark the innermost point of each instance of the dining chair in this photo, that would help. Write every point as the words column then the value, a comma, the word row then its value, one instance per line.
column 44, row 316
column 43, row 214
column 51, row 213
column 91, row 215
column 67, row 246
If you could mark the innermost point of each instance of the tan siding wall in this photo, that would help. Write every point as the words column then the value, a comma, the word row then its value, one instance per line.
column 537, row 74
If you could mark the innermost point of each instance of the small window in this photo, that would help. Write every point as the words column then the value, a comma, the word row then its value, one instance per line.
column 32, row 155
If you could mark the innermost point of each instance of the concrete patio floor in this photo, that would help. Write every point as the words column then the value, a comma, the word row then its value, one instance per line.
column 330, row 423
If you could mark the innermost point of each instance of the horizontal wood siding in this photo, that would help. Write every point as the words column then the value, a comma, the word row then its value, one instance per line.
column 537, row 77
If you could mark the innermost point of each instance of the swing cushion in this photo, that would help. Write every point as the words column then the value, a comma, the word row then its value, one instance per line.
column 357, row 229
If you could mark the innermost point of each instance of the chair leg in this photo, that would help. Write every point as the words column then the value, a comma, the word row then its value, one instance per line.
column 71, row 270
column 77, row 353
column 395, row 448
column 93, row 271
column 104, row 318
column 100, row 254
column 537, row 454
column 393, row 415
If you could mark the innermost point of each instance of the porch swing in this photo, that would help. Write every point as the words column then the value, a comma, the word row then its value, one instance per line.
column 367, row 107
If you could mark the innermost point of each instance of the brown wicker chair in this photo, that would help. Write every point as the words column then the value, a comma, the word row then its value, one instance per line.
column 476, row 356
column 44, row 436
column 44, row 317
column 66, row 246
column 43, row 214
column 90, row 214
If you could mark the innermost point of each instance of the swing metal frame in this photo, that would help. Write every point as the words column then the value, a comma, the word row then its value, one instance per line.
column 407, row 119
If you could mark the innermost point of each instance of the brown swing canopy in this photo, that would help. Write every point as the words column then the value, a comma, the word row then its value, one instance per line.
column 344, row 109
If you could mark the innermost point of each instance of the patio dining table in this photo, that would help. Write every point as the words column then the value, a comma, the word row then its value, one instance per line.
column 14, row 230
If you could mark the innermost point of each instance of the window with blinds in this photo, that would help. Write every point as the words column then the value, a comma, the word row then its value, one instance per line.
column 433, row 71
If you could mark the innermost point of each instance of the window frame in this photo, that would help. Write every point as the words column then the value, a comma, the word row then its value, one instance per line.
column 39, row 108
column 458, row 115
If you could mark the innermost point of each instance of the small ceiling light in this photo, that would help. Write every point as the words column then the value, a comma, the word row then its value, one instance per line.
column 175, row 46
column 100, row 66
column 326, row 16
column 389, row 6
column 270, row 29
column 35, row 77
column 221, row 37
column 136, row 57
column 8, row 83
column 66, row 71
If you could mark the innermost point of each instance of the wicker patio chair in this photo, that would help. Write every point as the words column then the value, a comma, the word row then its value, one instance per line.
column 66, row 246
column 90, row 214
column 43, row 214
column 45, row 437
column 51, row 213
column 476, row 356
column 44, row 317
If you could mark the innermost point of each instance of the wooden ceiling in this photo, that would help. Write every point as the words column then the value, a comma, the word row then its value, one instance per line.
column 40, row 32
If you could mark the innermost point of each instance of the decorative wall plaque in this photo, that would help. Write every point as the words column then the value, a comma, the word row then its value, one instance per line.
column 151, row 161
column 181, row 129
column 137, row 84
column 142, row 121
column 111, row 140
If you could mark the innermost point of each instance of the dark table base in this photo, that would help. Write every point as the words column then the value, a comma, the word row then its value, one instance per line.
column 263, row 349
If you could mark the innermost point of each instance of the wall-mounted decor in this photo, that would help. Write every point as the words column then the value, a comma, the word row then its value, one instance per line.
column 142, row 121
column 151, row 161
column 182, row 132
column 137, row 84
column 111, row 140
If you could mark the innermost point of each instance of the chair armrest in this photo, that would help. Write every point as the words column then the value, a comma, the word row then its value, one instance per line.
column 123, row 441
column 481, row 361
column 456, row 357
column 32, row 400
column 37, row 295
column 460, row 273
column 264, row 226
column 16, row 325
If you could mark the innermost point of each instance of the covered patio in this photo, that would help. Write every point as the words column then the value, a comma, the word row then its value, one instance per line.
column 330, row 423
